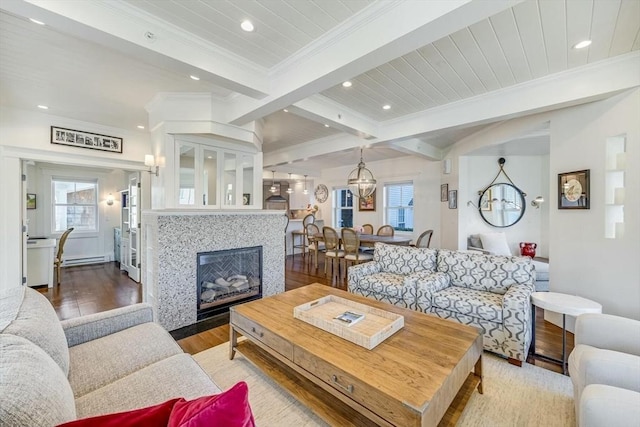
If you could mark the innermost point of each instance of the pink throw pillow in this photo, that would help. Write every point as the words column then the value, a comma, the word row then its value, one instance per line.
column 228, row 409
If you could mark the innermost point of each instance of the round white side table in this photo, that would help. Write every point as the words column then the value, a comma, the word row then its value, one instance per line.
column 560, row 303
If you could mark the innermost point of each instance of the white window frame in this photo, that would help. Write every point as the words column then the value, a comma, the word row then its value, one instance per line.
column 92, row 181
column 336, row 208
column 407, row 209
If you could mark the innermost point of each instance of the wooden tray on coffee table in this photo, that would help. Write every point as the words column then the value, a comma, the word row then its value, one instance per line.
column 376, row 326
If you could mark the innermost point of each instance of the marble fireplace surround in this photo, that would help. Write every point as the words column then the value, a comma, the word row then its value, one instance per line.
column 172, row 239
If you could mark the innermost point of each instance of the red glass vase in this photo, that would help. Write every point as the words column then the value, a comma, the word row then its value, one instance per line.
column 528, row 249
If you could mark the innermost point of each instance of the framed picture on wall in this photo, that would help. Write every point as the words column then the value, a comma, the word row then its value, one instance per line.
column 82, row 139
column 444, row 192
column 367, row 203
column 573, row 190
column 453, row 199
column 31, row 201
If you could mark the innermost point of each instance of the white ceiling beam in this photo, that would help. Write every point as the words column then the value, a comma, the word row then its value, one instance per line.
column 323, row 110
column 307, row 150
column 576, row 86
column 572, row 87
column 359, row 46
column 417, row 147
column 128, row 30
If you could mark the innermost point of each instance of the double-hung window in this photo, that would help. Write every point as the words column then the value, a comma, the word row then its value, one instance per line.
column 75, row 204
column 342, row 208
column 398, row 205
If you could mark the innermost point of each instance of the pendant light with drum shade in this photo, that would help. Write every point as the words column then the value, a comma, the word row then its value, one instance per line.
column 361, row 182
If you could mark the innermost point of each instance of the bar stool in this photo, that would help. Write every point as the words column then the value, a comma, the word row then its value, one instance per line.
column 301, row 235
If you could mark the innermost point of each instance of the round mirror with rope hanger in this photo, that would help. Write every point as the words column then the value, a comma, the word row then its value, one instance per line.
column 501, row 204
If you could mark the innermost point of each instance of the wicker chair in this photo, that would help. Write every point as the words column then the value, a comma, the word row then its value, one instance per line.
column 57, row 263
column 386, row 230
column 352, row 252
column 424, row 240
column 367, row 229
column 315, row 244
column 332, row 250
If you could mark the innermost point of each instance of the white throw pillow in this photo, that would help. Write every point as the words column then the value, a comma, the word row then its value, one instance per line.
column 496, row 243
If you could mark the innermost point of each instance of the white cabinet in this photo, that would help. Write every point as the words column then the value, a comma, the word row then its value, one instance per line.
column 216, row 176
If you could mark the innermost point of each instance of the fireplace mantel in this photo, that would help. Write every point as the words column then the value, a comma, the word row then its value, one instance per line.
column 172, row 239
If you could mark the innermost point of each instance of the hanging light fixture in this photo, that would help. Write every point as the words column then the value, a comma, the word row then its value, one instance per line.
column 273, row 188
column 290, row 189
column 361, row 182
column 305, row 191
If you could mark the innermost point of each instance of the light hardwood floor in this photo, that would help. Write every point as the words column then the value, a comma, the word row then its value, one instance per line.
column 95, row 288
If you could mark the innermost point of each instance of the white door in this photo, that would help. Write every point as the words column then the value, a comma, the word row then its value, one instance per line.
column 25, row 224
column 134, row 226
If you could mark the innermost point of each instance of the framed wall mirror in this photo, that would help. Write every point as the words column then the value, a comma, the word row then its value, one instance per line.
column 501, row 205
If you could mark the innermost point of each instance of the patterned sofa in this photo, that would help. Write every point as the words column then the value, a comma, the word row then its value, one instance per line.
column 487, row 291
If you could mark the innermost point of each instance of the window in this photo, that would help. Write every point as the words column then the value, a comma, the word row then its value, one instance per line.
column 398, row 209
column 343, row 208
column 75, row 204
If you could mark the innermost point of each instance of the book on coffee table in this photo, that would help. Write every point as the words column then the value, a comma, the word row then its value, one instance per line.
column 349, row 317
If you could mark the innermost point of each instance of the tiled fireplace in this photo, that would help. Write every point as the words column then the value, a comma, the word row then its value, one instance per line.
column 172, row 241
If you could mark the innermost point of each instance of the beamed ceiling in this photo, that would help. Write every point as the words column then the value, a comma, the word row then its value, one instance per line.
column 447, row 69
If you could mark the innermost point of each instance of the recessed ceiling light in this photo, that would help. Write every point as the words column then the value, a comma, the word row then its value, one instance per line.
column 582, row 44
column 247, row 25
column 285, row 110
column 43, row 107
column 346, row 84
column 386, row 107
column 140, row 127
column 194, row 77
column 326, row 125
column 35, row 21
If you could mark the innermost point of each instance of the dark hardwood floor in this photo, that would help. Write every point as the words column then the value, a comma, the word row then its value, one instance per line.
column 100, row 287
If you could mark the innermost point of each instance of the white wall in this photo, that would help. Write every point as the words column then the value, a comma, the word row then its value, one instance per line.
column 529, row 174
column 425, row 175
column 25, row 135
column 583, row 261
column 79, row 244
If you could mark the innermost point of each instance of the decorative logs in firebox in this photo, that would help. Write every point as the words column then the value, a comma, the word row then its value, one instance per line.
column 222, row 287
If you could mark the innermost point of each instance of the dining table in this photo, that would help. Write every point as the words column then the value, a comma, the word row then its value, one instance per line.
column 371, row 239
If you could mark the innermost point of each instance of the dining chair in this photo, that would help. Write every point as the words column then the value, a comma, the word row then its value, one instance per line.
column 315, row 244
column 332, row 250
column 301, row 235
column 385, row 230
column 367, row 229
column 352, row 252
column 57, row 262
column 424, row 240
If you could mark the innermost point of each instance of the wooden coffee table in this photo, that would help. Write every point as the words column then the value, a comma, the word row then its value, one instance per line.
column 410, row 379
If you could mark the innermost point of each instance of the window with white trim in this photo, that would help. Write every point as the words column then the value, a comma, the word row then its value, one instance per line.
column 75, row 204
column 398, row 205
column 342, row 208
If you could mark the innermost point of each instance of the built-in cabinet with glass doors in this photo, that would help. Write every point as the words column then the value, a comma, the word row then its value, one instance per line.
column 130, row 227
column 215, row 177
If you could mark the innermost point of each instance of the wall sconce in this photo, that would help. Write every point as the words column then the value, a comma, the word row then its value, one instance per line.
column 150, row 162
column 537, row 202
column 110, row 199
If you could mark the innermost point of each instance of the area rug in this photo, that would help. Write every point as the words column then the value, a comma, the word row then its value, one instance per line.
column 527, row 396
